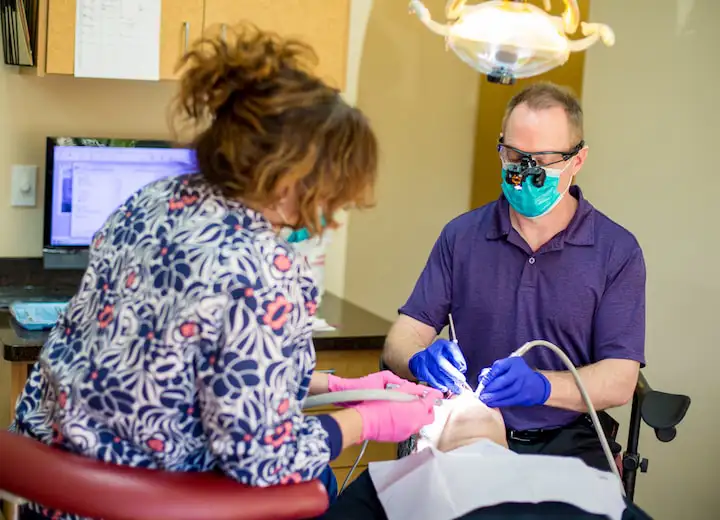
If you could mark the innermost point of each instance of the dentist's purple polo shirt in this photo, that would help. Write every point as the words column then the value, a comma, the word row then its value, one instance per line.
column 584, row 291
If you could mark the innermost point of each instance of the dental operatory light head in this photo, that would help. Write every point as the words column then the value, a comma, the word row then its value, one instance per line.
column 511, row 39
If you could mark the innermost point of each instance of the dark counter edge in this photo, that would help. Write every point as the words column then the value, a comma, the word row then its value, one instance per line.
column 26, row 278
column 30, row 354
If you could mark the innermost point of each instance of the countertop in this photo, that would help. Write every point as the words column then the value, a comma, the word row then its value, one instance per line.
column 355, row 329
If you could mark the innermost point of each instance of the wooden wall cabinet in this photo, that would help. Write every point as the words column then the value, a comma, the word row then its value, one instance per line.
column 324, row 24
column 182, row 22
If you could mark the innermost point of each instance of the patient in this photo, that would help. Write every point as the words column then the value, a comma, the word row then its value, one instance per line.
column 473, row 434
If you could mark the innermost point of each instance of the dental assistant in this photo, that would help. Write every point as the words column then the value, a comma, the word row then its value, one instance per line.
column 188, row 346
column 538, row 263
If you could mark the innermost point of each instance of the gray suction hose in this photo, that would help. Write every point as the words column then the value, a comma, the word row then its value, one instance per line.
column 355, row 396
column 583, row 392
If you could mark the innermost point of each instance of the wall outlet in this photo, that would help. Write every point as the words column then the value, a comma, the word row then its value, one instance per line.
column 24, row 185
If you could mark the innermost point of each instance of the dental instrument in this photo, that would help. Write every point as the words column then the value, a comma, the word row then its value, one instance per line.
column 480, row 386
column 453, row 337
column 394, row 395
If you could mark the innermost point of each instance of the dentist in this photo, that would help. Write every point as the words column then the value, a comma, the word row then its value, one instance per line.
column 538, row 263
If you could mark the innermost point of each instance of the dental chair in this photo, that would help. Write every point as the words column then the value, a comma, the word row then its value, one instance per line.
column 661, row 411
column 33, row 472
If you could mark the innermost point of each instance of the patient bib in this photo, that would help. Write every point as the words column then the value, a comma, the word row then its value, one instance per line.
column 432, row 485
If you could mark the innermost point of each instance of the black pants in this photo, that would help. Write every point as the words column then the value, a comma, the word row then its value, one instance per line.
column 578, row 439
column 360, row 501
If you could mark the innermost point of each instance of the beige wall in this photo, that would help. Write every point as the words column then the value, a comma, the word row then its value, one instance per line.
column 32, row 108
column 422, row 102
column 651, row 115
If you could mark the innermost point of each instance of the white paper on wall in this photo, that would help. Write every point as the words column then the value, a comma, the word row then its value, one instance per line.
column 118, row 39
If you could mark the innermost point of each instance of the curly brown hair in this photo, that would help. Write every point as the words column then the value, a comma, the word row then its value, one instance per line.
column 267, row 123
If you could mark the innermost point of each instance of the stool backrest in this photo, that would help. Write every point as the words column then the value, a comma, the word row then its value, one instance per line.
column 73, row 484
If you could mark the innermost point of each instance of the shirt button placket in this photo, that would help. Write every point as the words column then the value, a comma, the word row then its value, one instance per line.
column 529, row 275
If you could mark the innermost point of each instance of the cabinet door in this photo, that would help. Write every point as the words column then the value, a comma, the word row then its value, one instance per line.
column 61, row 37
column 181, row 23
column 324, row 24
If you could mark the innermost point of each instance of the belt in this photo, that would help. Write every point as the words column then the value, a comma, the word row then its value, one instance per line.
column 531, row 436
column 543, row 434
column 609, row 427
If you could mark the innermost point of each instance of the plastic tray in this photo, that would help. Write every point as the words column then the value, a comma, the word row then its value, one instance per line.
column 37, row 315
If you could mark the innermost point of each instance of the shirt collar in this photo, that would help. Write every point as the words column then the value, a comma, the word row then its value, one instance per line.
column 580, row 231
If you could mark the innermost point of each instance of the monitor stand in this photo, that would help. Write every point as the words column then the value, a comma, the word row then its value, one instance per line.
column 65, row 259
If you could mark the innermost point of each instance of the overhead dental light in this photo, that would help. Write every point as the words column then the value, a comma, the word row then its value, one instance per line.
column 511, row 39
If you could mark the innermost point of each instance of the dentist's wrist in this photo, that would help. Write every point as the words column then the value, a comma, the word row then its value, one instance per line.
column 547, row 387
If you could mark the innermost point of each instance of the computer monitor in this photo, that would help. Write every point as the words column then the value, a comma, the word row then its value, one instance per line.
column 87, row 179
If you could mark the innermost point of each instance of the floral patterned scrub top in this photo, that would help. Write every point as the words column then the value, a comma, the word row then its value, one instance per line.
column 188, row 346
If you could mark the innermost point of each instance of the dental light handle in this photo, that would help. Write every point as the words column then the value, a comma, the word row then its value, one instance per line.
column 583, row 392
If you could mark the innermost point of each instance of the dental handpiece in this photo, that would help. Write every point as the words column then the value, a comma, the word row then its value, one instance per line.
column 518, row 353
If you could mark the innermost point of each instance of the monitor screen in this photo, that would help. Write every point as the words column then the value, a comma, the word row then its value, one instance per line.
column 89, row 178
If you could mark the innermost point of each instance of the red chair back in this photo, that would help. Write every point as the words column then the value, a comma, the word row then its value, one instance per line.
column 74, row 484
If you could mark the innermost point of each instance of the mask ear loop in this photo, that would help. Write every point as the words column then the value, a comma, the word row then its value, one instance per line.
column 562, row 194
column 570, row 181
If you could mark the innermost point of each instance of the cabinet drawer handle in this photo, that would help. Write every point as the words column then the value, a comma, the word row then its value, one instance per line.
column 187, row 35
column 328, row 371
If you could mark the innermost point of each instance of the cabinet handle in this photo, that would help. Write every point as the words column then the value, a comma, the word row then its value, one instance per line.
column 328, row 371
column 187, row 36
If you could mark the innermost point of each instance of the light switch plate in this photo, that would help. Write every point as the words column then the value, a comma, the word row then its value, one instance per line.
column 24, row 185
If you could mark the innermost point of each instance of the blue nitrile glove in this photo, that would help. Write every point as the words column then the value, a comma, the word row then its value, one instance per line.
column 441, row 365
column 511, row 382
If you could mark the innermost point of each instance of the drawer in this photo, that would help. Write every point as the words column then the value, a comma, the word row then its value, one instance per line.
column 348, row 363
column 376, row 451
column 341, row 473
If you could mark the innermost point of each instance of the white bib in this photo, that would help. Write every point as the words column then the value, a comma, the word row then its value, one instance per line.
column 432, row 485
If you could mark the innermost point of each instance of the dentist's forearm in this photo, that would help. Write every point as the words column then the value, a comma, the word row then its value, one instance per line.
column 406, row 337
column 609, row 383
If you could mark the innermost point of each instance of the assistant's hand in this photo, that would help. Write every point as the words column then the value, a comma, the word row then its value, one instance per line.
column 511, row 382
column 392, row 421
column 376, row 381
column 441, row 365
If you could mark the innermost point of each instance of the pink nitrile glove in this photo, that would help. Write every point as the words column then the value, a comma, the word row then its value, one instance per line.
column 393, row 421
column 376, row 381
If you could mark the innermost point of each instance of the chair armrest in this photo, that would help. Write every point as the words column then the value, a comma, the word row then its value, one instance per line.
column 74, row 484
column 661, row 411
